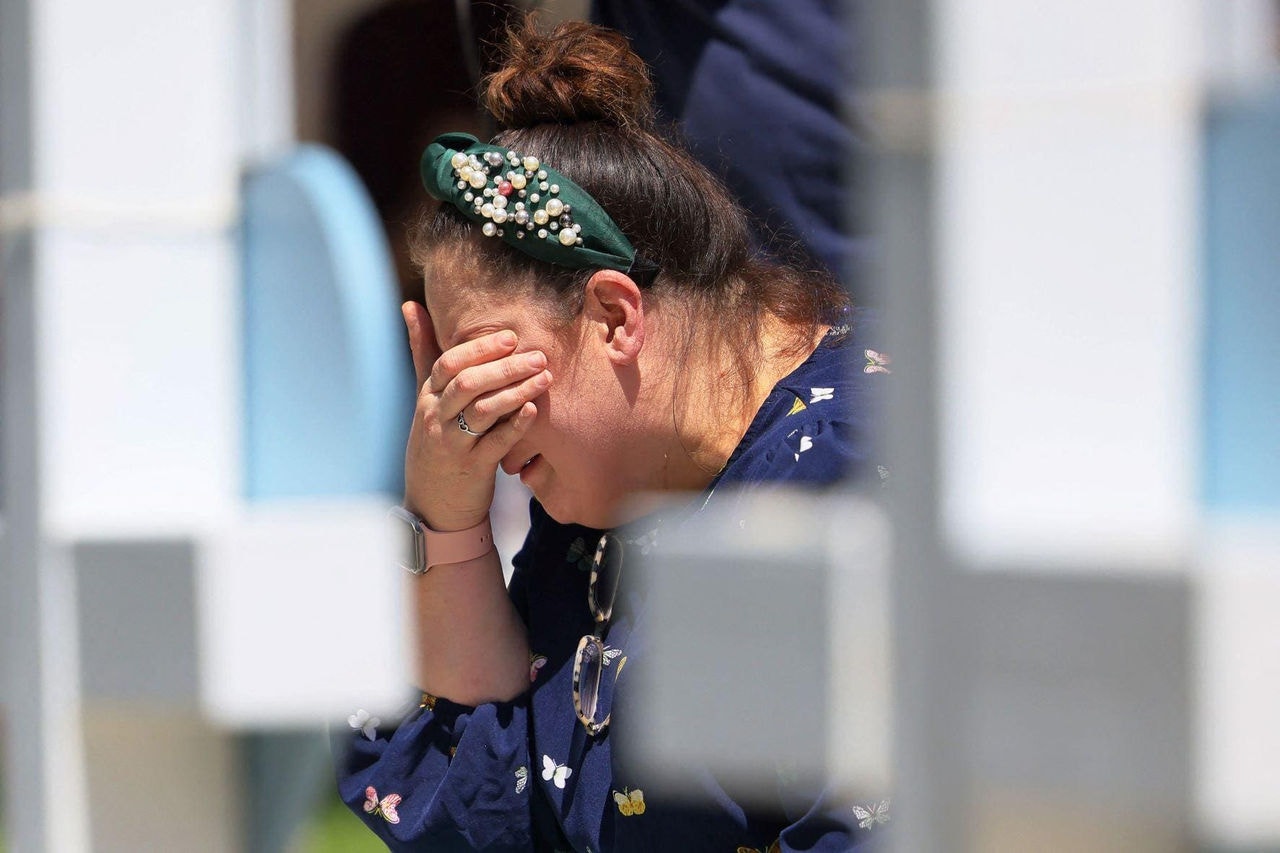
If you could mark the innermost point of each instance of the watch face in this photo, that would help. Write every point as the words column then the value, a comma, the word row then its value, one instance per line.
column 406, row 533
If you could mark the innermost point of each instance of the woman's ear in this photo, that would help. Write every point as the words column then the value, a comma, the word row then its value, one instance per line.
column 614, row 308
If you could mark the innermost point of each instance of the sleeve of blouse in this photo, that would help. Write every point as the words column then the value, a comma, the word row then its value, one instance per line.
column 445, row 776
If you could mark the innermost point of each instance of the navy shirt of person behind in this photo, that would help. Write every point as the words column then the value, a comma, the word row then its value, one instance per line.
column 764, row 92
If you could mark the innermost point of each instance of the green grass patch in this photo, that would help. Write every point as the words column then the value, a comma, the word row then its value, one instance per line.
column 333, row 829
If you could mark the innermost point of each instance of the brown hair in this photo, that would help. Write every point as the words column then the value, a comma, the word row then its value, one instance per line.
column 580, row 99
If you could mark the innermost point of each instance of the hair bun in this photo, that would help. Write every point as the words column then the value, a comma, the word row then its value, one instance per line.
column 577, row 72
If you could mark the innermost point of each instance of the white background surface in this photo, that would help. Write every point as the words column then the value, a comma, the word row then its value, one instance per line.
column 1067, row 279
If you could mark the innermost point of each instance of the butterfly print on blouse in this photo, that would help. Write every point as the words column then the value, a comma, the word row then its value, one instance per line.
column 557, row 774
column 386, row 807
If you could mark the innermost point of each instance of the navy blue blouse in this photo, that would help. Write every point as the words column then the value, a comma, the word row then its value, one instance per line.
column 525, row 775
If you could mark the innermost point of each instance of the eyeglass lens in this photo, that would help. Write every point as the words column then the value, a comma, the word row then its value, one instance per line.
column 590, row 659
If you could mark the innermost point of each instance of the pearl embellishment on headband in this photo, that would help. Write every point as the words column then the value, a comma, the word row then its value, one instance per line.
column 498, row 178
column 513, row 196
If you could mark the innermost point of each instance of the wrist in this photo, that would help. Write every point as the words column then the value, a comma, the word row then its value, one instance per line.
column 445, row 521
column 433, row 547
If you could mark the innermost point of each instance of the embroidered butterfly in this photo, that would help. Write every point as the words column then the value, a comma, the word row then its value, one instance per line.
column 580, row 555
column 772, row 848
column 869, row 817
column 805, row 443
column 877, row 362
column 555, row 773
column 630, row 802
column 610, row 653
column 365, row 723
column 536, row 662
column 386, row 807
column 820, row 394
column 522, row 778
column 646, row 542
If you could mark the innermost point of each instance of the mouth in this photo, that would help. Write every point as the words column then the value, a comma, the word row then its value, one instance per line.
column 517, row 465
column 529, row 466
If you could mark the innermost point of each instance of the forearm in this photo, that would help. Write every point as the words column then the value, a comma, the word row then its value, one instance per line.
column 474, row 404
column 471, row 644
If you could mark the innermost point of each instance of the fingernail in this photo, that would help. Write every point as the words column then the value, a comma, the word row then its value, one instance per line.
column 535, row 359
column 507, row 339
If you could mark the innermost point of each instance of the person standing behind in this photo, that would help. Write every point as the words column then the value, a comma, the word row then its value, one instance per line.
column 761, row 90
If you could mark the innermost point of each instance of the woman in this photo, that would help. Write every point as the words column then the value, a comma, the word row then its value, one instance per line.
column 596, row 323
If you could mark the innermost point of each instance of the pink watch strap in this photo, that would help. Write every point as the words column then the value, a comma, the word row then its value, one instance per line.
column 456, row 546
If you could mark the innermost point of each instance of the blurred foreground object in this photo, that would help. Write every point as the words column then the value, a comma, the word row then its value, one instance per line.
column 1036, row 198
column 152, row 608
column 768, row 655
column 1238, row 659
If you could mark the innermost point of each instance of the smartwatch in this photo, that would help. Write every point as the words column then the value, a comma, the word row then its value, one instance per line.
column 432, row 548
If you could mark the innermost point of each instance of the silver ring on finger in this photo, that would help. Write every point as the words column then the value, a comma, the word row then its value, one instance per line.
column 462, row 425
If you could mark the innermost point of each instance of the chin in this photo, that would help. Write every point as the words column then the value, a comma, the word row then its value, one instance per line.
column 575, row 512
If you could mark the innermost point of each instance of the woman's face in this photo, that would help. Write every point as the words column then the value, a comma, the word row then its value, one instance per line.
column 587, row 441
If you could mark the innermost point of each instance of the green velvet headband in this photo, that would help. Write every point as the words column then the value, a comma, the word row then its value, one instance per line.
column 529, row 205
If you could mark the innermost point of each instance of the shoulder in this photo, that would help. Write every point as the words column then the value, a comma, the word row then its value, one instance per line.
column 818, row 424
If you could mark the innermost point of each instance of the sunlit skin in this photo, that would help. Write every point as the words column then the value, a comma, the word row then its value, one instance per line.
column 606, row 407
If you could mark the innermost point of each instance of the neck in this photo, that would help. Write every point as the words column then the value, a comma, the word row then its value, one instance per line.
column 708, row 421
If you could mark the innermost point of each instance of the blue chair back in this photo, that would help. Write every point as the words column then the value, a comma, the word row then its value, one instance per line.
column 1241, row 471
column 327, row 372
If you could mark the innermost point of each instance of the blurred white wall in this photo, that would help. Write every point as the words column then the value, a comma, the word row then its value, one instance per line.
column 1071, row 289
column 1237, row 667
column 1067, row 269
column 134, row 202
column 1241, row 40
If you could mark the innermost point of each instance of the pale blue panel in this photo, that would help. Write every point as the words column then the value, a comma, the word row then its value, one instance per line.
column 328, row 378
column 1242, row 266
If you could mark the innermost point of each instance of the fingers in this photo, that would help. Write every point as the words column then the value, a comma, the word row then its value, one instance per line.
column 490, row 390
column 499, row 440
column 422, row 340
column 486, row 348
column 486, row 410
